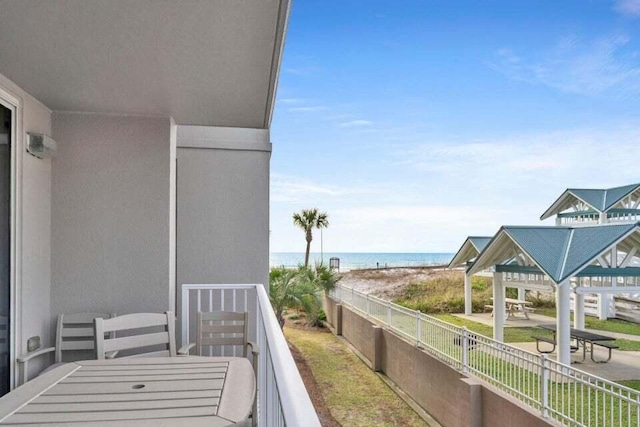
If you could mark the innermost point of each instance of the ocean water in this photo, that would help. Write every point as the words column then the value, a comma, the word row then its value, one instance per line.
column 358, row 260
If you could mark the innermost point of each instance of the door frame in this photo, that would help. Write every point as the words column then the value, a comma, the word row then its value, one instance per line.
column 14, row 103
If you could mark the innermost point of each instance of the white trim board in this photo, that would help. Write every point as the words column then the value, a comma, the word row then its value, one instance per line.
column 223, row 138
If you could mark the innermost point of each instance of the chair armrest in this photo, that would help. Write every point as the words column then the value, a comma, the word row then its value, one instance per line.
column 23, row 358
column 23, row 362
column 184, row 350
column 255, row 349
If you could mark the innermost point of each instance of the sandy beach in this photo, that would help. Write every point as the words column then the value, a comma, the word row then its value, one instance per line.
column 390, row 283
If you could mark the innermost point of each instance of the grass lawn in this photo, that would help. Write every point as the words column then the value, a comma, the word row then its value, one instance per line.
column 611, row 325
column 634, row 384
column 510, row 334
column 524, row 334
column 355, row 395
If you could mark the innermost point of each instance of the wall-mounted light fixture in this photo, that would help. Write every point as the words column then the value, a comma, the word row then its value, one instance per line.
column 40, row 146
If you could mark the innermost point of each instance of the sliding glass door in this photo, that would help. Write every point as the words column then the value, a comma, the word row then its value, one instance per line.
column 5, row 244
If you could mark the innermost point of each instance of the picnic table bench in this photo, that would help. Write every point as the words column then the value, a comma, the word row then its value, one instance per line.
column 583, row 339
column 513, row 306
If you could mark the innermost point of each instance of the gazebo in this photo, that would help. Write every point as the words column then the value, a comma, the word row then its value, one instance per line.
column 587, row 206
column 465, row 256
column 601, row 259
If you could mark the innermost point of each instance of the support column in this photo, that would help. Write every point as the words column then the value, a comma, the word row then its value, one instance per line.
column 468, row 302
column 522, row 293
column 498, row 307
column 603, row 307
column 578, row 312
column 563, row 324
column 611, row 305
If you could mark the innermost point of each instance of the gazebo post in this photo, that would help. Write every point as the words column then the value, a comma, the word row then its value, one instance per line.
column 498, row 307
column 468, row 304
column 563, row 325
column 522, row 292
column 578, row 312
column 578, row 304
column 603, row 306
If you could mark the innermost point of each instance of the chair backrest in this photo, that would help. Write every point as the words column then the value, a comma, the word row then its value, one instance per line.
column 75, row 333
column 222, row 328
column 138, row 335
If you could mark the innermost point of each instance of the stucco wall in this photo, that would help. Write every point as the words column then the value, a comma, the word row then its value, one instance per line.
column 223, row 206
column 358, row 331
column 35, row 230
column 452, row 398
column 111, row 216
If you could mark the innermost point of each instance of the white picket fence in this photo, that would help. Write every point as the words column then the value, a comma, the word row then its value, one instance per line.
column 560, row 392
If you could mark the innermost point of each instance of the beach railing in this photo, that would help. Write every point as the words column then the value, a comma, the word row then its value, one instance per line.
column 282, row 399
column 559, row 392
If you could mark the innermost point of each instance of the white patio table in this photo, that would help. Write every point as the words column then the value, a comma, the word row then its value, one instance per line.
column 153, row 391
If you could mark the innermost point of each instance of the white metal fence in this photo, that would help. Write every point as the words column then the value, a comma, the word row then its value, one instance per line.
column 557, row 391
column 282, row 397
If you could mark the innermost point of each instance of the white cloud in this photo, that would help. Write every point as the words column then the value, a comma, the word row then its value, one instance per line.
column 292, row 100
column 428, row 197
column 628, row 7
column 577, row 67
column 356, row 123
column 307, row 109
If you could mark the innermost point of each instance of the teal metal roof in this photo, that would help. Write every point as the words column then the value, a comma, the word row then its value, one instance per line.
column 469, row 250
column 614, row 195
column 479, row 242
column 594, row 198
column 562, row 251
column 601, row 200
column 545, row 245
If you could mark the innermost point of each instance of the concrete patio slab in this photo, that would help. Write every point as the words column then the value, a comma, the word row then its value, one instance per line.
column 624, row 365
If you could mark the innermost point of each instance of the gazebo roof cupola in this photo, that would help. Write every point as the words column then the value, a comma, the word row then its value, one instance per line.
column 581, row 206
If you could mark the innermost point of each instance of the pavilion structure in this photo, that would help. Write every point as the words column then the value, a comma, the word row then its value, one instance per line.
column 600, row 259
column 587, row 206
column 465, row 256
column 583, row 206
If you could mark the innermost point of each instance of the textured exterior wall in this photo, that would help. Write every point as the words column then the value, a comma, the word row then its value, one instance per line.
column 446, row 394
column 35, row 230
column 223, row 216
column 358, row 331
column 497, row 408
column 111, row 216
column 331, row 311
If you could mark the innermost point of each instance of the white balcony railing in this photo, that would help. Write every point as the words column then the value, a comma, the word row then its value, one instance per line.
column 282, row 398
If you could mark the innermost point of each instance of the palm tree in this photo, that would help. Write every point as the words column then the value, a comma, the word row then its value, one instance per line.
column 287, row 291
column 307, row 220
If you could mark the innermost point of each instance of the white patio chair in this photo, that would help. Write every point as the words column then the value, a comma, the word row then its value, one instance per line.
column 138, row 334
column 225, row 328
column 74, row 334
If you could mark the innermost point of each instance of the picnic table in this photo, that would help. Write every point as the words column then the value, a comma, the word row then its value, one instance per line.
column 513, row 306
column 152, row 391
column 583, row 339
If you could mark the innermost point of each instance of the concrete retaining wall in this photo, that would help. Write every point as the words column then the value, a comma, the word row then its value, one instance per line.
column 451, row 397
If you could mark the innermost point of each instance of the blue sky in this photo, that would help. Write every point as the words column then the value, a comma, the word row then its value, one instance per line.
column 417, row 123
